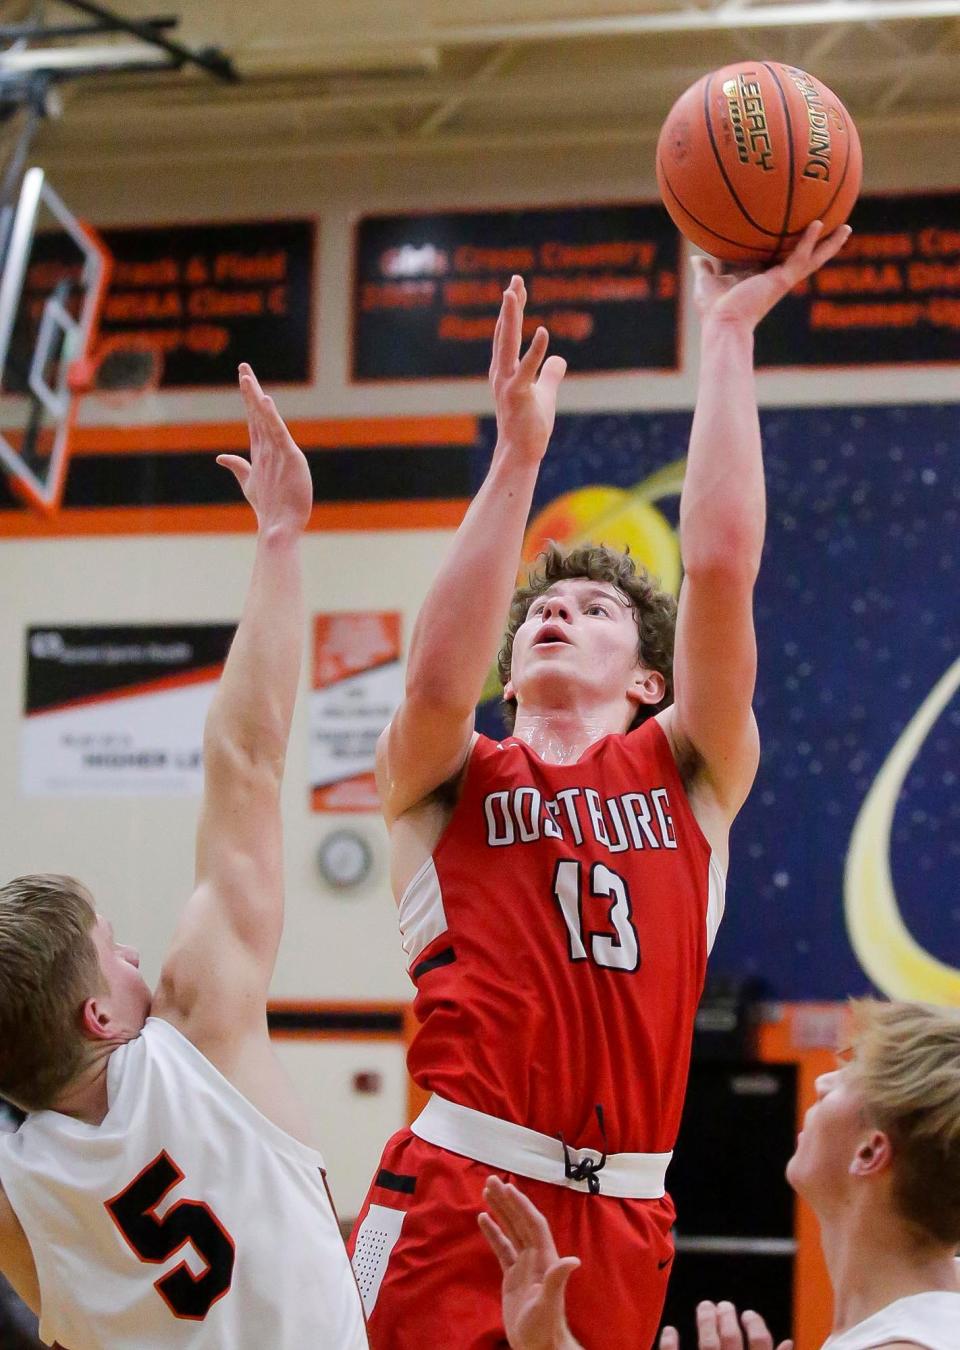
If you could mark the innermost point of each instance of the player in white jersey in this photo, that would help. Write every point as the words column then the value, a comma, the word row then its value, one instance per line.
column 163, row 1192
column 878, row 1159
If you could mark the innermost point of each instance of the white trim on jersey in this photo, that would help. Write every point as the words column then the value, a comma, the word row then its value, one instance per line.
column 376, row 1238
column 421, row 913
column 716, row 899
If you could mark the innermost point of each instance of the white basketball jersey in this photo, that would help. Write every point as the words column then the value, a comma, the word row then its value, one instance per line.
column 186, row 1220
column 930, row 1321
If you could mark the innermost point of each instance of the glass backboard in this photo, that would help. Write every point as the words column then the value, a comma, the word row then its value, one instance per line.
column 54, row 278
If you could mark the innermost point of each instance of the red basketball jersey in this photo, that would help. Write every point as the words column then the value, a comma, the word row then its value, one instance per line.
column 558, row 940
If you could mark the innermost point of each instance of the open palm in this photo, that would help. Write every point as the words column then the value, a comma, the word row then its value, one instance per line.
column 525, row 395
column 276, row 478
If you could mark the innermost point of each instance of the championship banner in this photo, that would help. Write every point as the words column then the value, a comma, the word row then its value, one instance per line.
column 206, row 295
column 603, row 279
column 118, row 710
column 890, row 297
column 357, row 687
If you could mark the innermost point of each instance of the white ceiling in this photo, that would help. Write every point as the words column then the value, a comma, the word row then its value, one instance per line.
column 364, row 77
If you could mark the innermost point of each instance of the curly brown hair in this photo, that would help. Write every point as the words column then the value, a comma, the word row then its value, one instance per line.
column 654, row 610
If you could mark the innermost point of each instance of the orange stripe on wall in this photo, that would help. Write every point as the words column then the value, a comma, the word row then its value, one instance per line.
column 442, row 514
column 316, row 433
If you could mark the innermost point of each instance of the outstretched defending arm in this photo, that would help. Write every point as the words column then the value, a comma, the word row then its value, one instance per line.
column 462, row 618
column 214, row 982
column 722, row 517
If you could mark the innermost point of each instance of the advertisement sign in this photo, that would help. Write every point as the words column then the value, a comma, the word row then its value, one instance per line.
column 357, row 686
column 118, row 710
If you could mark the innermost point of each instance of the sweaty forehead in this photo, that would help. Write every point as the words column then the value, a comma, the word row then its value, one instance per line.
column 584, row 586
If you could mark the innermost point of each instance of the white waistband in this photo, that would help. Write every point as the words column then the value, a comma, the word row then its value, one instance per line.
column 514, row 1148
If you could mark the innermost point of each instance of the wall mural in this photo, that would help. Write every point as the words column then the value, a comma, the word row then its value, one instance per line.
column 844, row 859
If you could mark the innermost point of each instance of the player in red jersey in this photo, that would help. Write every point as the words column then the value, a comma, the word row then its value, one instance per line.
column 559, row 891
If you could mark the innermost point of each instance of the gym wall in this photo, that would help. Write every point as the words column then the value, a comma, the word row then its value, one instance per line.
column 136, row 852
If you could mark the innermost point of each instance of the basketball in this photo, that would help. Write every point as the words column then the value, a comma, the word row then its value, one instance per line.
column 751, row 154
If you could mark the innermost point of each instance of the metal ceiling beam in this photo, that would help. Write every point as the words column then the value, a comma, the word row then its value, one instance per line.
column 322, row 95
column 82, row 60
column 913, row 71
column 784, row 15
column 17, row 32
column 824, row 43
column 210, row 59
column 469, row 88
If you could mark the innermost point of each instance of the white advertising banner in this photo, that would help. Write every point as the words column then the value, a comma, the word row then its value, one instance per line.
column 118, row 710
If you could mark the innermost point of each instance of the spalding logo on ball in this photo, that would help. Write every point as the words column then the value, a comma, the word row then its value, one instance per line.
column 751, row 154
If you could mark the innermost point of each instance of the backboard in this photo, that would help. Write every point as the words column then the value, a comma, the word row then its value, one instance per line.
column 54, row 279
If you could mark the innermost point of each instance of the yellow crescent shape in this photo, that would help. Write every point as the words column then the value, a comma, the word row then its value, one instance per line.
column 665, row 482
column 894, row 960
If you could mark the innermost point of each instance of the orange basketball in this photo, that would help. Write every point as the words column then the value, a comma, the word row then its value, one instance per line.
column 751, row 154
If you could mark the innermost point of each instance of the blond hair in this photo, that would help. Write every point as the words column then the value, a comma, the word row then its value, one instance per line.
column 654, row 611
column 49, row 966
column 907, row 1059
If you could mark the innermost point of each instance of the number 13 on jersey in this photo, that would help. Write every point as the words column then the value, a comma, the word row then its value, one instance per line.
column 619, row 950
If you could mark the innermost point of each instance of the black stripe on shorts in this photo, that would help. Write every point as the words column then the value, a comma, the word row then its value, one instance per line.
column 396, row 1181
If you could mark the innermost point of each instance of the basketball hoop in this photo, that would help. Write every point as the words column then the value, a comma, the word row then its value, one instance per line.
column 121, row 370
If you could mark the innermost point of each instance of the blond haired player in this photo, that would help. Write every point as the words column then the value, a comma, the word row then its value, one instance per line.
column 164, row 1191
column 878, row 1159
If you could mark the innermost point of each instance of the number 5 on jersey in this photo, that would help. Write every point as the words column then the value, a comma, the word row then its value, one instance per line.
column 619, row 950
column 155, row 1240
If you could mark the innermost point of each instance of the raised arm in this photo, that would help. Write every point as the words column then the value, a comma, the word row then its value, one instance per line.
column 214, row 982
column 461, row 622
column 722, row 518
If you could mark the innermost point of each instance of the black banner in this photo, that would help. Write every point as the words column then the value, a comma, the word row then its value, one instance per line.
column 69, row 662
column 351, row 474
column 603, row 279
column 891, row 296
column 211, row 295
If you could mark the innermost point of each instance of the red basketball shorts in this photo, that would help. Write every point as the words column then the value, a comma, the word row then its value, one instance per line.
column 430, row 1282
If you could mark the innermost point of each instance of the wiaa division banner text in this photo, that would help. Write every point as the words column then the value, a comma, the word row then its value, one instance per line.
column 892, row 296
column 603, row 279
